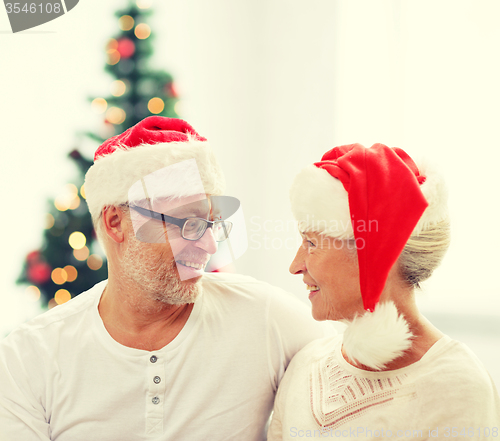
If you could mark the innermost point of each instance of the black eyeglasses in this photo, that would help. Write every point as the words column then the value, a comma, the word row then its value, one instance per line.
column 192, row 228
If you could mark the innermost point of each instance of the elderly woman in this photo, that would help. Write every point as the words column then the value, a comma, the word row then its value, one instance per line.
column 374, row 225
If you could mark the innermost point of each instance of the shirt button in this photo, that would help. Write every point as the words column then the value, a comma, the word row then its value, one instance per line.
column 157, row 379
column 153, row 359
column 155, row 400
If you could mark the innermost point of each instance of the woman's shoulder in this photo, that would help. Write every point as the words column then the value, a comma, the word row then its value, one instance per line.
column 450, row 369
column 454, row 362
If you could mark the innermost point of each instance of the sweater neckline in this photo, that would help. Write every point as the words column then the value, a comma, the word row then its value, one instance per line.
column 431, row 353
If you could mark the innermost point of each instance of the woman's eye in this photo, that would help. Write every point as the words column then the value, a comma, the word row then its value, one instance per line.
column 308, row 244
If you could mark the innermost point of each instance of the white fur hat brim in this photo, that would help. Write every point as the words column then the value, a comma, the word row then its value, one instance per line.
column 110, row 178
column 320, row 203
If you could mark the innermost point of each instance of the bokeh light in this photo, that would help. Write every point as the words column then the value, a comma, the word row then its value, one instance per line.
column 94, row 262
column 178, row 107
column 126, row 22
column 62, row 296
column 52, row 303
column 113, row 58
column 77, row 240
column 99, row 105
column 62, row 203
column 33, row 293
column 81, row 254
column 142, row 31
column 75, row 203
column 66, row 199
column 115, row 115
column 112, row 52
column 156, row 105
column 82, row 191
column 49, row 221
column 71, row 273
column 144, row 4
column 118, row 88
column 59, row 276
column 112, row 45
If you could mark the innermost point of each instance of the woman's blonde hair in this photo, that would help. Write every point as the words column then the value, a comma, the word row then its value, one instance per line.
column 424, row 252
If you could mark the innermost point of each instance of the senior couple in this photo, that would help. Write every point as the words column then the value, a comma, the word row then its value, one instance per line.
column 164, row 350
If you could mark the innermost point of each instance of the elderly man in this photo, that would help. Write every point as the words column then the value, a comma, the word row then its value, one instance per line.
column 158, row 351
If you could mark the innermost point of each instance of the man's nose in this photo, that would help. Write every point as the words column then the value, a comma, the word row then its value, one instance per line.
column 207, row 242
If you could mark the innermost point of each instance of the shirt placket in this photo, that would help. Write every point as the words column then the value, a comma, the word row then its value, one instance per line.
column 156, row 394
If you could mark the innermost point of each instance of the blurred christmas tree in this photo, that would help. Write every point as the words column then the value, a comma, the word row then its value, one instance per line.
column 70, row 260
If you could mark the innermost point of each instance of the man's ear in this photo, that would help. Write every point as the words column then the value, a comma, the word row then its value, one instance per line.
column 114, row 223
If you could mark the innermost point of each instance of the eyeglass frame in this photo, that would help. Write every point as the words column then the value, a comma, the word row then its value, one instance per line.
column 180, row 222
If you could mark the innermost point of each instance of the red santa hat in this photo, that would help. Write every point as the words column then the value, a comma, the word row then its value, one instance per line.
column 154, row 143
column 379, row 198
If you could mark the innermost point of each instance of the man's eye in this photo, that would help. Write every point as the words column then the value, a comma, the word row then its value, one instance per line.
column 191, row 223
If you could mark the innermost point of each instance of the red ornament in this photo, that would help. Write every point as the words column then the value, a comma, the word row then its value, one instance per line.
column 170, row 90
column 126, row 47
column 39, row 273
column 34, row 256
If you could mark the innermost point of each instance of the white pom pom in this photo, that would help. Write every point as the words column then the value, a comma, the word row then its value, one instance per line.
column 376, row 338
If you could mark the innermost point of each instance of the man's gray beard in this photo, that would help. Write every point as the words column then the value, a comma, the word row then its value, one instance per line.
column 155, row 272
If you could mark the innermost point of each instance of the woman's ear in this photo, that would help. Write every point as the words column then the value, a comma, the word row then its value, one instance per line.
column 114, row 223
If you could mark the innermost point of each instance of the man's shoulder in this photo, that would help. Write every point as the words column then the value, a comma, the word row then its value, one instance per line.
column 280, row 306
column 57, row 316
column 243, row 285
column 240, row 288
column 224, row 278
column 318, row 349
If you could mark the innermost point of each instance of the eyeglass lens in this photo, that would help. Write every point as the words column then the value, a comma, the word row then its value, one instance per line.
column 195, row 228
